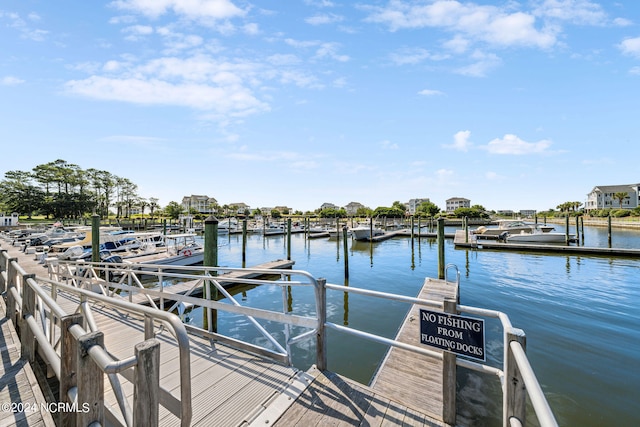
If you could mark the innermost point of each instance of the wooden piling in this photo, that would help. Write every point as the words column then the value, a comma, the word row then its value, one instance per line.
column 289, row 239
column 95, row 238
column 244, row 242
column 440, row 248
column 346, row 253
column 210, row 260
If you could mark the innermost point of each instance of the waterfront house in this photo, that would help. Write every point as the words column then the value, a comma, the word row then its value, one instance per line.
column 202, row 204
column 603, row 197
column 413, row 204
column 352, row 208
column 239, row 208
column 327, row 205
column 457, row 202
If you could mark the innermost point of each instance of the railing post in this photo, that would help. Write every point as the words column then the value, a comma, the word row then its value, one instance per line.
column 148, row 327
column 146, row 392
column 449, row 374
column 321, row 335
column 90, row 381
column 11, row 283
column 3, row 267
column 27, row 337
column 515, row 399
column 68, row 355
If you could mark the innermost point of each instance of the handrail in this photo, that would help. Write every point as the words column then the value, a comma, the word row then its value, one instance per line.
column 102, row 358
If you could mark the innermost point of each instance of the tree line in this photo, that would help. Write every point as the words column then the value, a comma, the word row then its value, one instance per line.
column 63, row 190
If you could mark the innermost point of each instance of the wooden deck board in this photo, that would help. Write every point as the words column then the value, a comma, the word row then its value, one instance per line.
column 18, row 384
column 413, row 379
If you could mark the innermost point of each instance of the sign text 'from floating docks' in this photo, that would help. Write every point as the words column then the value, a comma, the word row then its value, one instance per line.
column 457, row 334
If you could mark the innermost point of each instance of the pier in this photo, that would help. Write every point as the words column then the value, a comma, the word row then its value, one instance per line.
column 161, row 371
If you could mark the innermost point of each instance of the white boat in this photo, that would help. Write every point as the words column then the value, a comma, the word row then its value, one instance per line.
column 228, row 225
column 365, row 232
column 512, row 226
column 179, row 249
column 538, row 236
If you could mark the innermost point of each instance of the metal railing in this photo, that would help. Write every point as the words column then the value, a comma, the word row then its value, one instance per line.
column 77, row 356
column 517, row 378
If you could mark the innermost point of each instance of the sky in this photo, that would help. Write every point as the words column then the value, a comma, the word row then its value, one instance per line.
column 511, row 104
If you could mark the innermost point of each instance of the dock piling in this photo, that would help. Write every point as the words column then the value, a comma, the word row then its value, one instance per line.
column 210, row 260
column 441, row 248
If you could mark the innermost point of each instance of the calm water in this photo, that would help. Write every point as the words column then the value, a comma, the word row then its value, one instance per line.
column 580, row 315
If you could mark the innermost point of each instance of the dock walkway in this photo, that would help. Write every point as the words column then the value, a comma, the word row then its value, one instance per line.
column 415, row 380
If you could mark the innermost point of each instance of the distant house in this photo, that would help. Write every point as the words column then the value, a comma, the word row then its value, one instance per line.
column 239, row 208
column 603, row 197
column 505, row 212
column 8, row 221
column 457, row 202
column 413, row 204
column 327, row 205
column 528, row 213
column 201, row 204
column 352, row 208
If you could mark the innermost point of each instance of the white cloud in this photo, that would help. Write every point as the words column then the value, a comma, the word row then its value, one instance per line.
column 513, row 145
column 224, row 99
column 388, row 145
column 412, row 56
column 484, row 62
column 583, row 12
column 324, row 18
column 10, row 81
column 489, row 24
column 200, row 10
column 493, row 176
column 329, row 50
column 136, row 32
column 23, row 27
column 430, row 92
column 460, row 141
column 630, row 46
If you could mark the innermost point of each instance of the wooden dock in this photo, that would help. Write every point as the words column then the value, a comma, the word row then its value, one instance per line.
column 460, row 241
column 413, row 379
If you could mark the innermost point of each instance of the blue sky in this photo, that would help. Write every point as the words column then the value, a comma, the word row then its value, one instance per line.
column 513, row 105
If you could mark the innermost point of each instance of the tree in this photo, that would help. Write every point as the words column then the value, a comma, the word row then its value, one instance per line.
column 173, row 210
column 153, row 205
column 620, row 196
column 364, row 212
column 19, row 194
column 427, row 209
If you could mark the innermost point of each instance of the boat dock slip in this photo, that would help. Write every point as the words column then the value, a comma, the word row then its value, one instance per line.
column 414, row 380
column 460, row 241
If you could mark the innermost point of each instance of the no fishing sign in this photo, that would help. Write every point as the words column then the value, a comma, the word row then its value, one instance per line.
column 457, row 334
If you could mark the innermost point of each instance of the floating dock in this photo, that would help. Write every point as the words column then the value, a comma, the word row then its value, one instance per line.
column 461, row 241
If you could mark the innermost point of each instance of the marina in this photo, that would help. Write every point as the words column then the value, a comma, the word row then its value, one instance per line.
column 388, row 411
